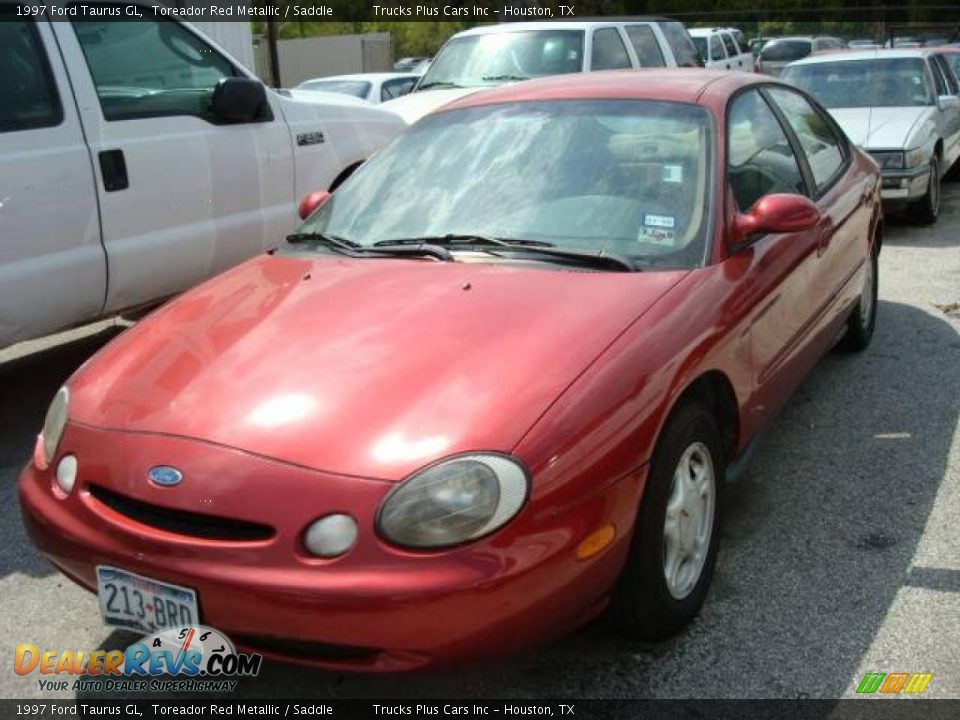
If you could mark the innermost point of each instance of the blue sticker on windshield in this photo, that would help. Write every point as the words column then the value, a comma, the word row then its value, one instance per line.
column 660, row 221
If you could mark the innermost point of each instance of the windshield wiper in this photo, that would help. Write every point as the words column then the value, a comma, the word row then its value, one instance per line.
column 463, row 239
column 438, row 84
column 409, row 250
column 505, row 77
column 333, row 241
column 538, row 247
column 353, row 249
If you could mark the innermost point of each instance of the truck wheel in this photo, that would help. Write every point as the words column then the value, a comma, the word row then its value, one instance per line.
column 675, row 538
column 925, row 210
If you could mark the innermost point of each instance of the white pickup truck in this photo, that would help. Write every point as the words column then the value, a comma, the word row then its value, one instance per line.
column 137, row 159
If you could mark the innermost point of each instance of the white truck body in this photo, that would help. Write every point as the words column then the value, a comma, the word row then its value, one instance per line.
column 115, row 194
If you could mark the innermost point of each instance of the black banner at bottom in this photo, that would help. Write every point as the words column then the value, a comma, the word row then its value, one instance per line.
column 859, row 709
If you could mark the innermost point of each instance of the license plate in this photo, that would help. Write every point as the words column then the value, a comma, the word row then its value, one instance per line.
column 132, row 601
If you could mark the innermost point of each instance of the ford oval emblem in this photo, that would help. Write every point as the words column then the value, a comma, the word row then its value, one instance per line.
column 165, row 476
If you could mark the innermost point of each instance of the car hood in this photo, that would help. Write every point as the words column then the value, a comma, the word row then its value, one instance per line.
column 367, row 367
column 879, row 128
column 322, row 97
column 413, row 106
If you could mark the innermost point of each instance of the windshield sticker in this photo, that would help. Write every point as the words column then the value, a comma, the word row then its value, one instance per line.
column 671, row 173
column 659, row 221
column 656, row 236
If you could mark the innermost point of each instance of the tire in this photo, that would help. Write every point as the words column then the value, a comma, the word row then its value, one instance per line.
column 926, row 210
column 644, row 604
column 861, row 323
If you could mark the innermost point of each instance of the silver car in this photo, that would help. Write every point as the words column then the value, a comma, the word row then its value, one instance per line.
column 902, row 107
column 779, row 53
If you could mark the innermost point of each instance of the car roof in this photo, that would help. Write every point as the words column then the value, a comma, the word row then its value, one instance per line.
column 673, row 85
column 554, row 25
column 872, row 54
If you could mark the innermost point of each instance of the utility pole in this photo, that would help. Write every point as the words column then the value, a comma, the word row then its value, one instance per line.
column 273, row 54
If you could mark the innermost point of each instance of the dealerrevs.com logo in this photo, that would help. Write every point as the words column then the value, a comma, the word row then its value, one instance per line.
column 894, row 683
column 194, row 658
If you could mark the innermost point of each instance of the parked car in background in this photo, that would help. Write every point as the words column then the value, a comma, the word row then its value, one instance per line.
column 380, row 472
column 951, row 55
column 373, row 87
column 863, row 44
column 720, row 50
column 901, row 106
column 138, row 158
column 416, row 65
column 491, row 55
column 777, row 54
column 756, row 45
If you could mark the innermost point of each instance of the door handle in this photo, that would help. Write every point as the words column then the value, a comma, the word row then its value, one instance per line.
column 113, row 170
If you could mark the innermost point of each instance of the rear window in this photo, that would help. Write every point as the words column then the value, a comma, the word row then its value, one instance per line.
column 786, row 50
column 683, row 48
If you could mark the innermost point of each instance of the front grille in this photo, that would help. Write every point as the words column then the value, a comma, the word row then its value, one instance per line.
column 303, row 649
column 181, row 522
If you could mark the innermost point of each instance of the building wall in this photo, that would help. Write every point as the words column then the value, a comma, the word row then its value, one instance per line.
column 234, row 37
column 305, row 58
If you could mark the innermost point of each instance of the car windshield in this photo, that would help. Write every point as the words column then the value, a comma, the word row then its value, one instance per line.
column 622, row 177
column 495, row 58
column 888, row 82
column 786, row 50
column 356, row 88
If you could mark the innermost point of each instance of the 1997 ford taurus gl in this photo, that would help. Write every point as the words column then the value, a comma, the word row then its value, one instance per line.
column 490, row 388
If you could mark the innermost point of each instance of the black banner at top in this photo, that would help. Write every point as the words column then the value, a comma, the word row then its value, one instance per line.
column 493, row 11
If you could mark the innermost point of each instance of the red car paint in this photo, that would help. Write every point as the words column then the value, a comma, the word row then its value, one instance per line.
column 290, row 388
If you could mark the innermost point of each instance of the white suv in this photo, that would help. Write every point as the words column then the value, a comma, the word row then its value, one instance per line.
column 720, row 50
column 491, row 55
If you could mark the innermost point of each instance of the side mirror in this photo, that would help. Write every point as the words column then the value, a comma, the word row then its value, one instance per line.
column 948, row 101
column 311, row 202
column 239, row 100
column 778, row 213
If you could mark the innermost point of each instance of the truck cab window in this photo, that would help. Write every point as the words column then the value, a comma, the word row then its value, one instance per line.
column 150, row 68
column 26, row 86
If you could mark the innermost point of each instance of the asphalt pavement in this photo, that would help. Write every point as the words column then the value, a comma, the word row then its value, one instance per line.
column 840, row 551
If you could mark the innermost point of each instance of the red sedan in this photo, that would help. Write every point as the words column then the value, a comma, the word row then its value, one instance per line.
column 492, row 386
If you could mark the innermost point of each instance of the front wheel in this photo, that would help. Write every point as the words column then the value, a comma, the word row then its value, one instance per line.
column 676, row 535
column 863, row 319
column 926, row 210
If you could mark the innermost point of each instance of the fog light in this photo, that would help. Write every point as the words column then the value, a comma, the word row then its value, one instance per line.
column 67, row 473
column 331, row 536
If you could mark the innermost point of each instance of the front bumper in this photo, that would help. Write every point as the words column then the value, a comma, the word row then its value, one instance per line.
column 904, row 185
column 376, row 608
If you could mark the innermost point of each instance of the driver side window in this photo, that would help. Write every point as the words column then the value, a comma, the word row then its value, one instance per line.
column 151, row 67
column 760, row 159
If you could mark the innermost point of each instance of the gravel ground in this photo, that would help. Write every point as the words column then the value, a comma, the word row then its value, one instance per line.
column 840, row 554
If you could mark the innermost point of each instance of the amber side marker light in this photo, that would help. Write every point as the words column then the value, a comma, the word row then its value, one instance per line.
column 596, row 542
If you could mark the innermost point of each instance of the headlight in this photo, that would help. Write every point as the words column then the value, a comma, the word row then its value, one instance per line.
column 889, row 160
column 53, row 426
column 453, row 501
column 914, row 158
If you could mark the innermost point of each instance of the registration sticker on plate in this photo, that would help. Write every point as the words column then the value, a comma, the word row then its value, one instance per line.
column 132, row 601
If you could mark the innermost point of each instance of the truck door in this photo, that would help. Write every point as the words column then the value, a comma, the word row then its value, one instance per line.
column 181, row 196
column 52, row 268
